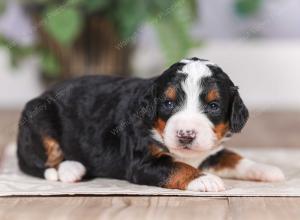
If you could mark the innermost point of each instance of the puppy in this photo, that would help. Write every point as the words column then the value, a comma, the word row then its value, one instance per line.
column 166, row 131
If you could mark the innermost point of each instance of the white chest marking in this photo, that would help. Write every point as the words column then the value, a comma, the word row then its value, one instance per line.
column 196, row 161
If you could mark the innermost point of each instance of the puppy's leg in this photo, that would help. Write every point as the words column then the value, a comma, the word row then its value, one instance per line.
column 58, row 169
column 163, row 171
column 228, row 164
column 39, row 149
column 38, row 139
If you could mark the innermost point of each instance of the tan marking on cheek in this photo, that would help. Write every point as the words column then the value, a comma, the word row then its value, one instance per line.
column 228, row 160
column 171, row 93
column 157, row 151
column 53, row 151
column 160, row 125
column 220, row 130
column 182, row 175
column 212, row 95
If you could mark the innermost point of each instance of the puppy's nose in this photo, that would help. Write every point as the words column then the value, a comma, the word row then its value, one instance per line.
column 186, row 136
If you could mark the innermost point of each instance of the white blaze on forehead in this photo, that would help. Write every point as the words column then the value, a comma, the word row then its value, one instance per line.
column 195, row 71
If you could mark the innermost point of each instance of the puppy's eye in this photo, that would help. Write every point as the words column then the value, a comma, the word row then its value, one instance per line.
column 213, row 107
column 169, row 104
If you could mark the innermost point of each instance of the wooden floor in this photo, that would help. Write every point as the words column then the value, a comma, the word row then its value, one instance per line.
column 130, row 208
column 278, row 129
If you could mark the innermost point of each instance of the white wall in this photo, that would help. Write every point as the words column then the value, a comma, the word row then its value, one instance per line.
column 268, row 72
column 274, row 19
column 17, row 86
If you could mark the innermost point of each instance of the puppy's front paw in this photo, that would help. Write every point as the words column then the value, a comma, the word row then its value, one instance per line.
column 263, row 172
column 206, row 183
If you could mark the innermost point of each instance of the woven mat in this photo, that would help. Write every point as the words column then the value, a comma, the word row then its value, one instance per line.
column 14, row 183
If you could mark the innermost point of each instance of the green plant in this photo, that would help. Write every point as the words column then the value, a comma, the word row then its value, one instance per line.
column 64, row 21
column 247, row 7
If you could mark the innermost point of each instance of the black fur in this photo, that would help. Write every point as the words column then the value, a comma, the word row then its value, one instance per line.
column 239, row 114
column 105, row 123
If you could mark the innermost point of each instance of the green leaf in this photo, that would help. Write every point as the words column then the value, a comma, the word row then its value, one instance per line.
column 17, row 52
column 2, row 6
column 128, row 16
column 50, row 65
column 247, row 7
column 64, row 24
column 73, row 3
column 172, row 46
column 94, row 5
column 192, row 8
column 158, row 6
column 173, row 32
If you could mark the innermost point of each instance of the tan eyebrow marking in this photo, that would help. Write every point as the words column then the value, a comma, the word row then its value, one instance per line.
column 171, row 93
column 212, row 95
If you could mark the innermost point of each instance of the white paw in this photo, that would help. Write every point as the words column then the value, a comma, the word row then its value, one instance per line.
column 206, row 183
column 265, row 173
column 51, row 174
column 70, row 171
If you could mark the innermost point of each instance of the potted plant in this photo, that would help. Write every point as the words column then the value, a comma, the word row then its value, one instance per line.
column 77, row 37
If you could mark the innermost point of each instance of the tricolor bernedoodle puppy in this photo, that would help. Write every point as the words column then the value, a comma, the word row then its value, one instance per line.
column 165, row 131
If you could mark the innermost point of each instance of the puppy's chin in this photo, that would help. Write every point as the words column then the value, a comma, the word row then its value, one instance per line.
column 190, row 153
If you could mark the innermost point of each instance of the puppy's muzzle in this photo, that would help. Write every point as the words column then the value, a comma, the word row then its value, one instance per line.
column 186, row 137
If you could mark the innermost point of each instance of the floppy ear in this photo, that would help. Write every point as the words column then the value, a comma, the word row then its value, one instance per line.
column 239, row 114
